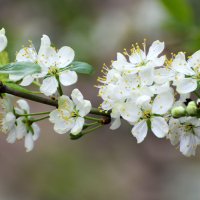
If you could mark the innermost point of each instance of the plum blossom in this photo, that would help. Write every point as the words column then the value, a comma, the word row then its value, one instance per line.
column 186, row 132
column 18, row 127
column 53, row 65
column 70, row 113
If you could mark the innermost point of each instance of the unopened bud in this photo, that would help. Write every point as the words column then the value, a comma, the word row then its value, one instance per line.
column 191, row 108
column 178, row 112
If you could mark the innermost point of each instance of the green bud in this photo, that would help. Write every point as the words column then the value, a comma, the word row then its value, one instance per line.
column 191, row 108
column 178, row 112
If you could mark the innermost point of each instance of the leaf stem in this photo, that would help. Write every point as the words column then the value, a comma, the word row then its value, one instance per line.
column 42, row 118
column 33, row 114
column 60, row 91
column 93, row 119
column 91, row 129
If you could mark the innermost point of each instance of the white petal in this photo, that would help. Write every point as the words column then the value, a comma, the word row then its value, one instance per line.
column 20, row 129
column 47, row 58
column 155, row 49
column 15, row 78
column 65, row 103
column 163, row 75
column 157, row 89
column 115, row 123
column 140, row 131
column 84, row 108
column 11, row 136
column 27, row 80
column 49, row 86
column 159, row 61
column 163, row 102
column 142, row 99
column 65, row 56
column 23, row 105
column 137, row 57
column 159, row 127
column 188, row 145
column 179, row 64
column 63, row 127
column 186, row 85
column 194, row 60
column 68, row 77
column 54, row 116
column 27, row 54
column 29, row 143
column 3, row 40
column 130, row 112
column 36, row 130
column 45, row 43
column 78, row 126
column 77, row 96
column 146, row 76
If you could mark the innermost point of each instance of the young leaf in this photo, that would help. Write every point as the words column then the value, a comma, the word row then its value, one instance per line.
column 19, row 88
column 4, row 59
column 81, row 67
column 20, row 68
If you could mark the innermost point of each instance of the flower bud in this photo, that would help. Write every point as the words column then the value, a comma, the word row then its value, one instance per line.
column 178, row 112
column 191, row 108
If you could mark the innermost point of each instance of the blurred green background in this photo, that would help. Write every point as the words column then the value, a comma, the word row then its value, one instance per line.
column 104, row 164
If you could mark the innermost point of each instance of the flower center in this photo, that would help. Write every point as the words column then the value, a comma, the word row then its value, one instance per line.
column 147, row 114
column 53, row 70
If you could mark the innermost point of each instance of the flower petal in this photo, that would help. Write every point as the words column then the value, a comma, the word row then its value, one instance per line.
column 130, row 112
column 27, row 80
column 78, row 126
column 140, row 131
column 115, row 123
column 28, row 142
column 146, row 75
column 179, row 64
column 68, row 77
column 65, row 56
column 36, row 130
column 49, row 86
column 186, row 85
column 159, row 126
column 27, row 54
column 23, row 105
column 163, row 102
column 3, row 40
column 20, row 129
column 15, row 78
column 77, row 96
column 11, row 136
column 155, row 49
column 84, row 108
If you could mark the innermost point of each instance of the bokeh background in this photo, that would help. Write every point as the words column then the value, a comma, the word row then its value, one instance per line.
column 105, row 164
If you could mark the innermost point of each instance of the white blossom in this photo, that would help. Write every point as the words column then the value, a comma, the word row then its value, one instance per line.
column 70, row 113
column 186, row 132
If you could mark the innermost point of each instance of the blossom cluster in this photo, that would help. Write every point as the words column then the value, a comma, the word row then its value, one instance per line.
column 152, row 92
column 142, row 87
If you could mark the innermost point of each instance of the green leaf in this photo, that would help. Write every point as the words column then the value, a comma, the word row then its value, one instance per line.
column 180, row 10
column 19, row 88
column 20, row 68
column 81, row 67
column 4, row 59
